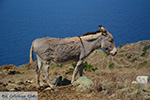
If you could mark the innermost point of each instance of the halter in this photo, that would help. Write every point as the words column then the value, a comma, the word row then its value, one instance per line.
column 81, row 41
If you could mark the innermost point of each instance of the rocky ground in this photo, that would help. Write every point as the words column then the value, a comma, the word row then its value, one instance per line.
column 112, row 76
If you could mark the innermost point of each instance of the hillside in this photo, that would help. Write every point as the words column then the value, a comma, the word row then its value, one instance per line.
column 112, row 76
column 135, row 55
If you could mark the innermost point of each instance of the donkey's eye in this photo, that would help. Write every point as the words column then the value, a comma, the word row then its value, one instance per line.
column 110, row 47
column 110, row 40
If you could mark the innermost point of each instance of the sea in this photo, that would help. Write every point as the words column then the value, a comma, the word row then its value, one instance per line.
column 22, row 21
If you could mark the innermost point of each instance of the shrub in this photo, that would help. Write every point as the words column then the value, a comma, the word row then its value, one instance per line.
column 71, row 68
column 86, row 66
column 133, row 59
column 57, row 65
column 74, row 64
column 128, row 66
column 129, row 56
column 120, row 45
column 145, row 50
column 143, row 54
column 107, row 53
column 111, row 65
column 143, row 63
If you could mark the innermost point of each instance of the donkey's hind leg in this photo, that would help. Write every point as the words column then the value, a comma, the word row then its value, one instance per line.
column 81, row 69
column 38, row 68
column 46, row 67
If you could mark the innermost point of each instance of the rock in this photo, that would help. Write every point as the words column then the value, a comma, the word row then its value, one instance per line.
column 97, row 87
column 13, row 72
column 29, row 81
column 112, row 96
column 146, row 88
column 19, row 82
column 4, row 70
column 134, row 82
column 142, row 79
column 47, row 89
column 1, row 83
column 83, row 84
column 5, row 84
column 12, row 89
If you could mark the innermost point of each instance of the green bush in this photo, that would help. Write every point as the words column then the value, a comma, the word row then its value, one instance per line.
column 143, row 63
column 129, row 56
column 128, row 66
column 86, row 66
column 120, row 45
column 71, row 69
column 74, row 64
column 107, row 53
column 145, row 50
column 143, row 54
column 111, row 65
column 133, row 60
column 57, row 65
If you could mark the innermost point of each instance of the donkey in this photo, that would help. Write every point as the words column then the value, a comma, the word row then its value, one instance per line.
column 69, row 49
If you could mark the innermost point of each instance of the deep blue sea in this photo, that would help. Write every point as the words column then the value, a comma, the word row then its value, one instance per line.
column 22, row 21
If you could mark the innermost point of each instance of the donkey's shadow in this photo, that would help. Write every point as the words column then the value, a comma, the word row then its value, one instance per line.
column 64, row 82
column 58, row 82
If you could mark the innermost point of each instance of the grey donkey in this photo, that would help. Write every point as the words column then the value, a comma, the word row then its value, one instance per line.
column 77, row 48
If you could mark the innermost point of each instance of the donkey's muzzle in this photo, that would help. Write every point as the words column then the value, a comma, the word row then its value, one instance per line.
column 114, row 51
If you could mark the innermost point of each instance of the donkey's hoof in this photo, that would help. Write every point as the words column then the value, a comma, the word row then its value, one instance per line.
column 72, row 81
column 53, row 86
column 38, row 87
column 47, row 89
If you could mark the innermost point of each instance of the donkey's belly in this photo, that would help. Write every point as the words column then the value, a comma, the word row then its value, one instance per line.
column 66, row 53
column 65, row 58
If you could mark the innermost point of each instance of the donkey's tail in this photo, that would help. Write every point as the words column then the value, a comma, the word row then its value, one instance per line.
column 31, row 54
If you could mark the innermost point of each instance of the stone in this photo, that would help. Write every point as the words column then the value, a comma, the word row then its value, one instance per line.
column 29, row 81
column 19, row 82
column 112, row 96
column 142, row 79
column 134, row 82
column 13, row 72
column 48, row 88
column 1, row 83
column 12, row 89
column 83, row 84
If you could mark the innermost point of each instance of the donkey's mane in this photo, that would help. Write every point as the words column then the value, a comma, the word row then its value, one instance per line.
column 91, row 33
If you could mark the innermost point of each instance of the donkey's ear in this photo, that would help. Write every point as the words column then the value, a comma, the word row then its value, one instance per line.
column 104, row 32
column 101, row 28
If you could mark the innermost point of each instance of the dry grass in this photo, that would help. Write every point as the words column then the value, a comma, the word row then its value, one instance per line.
column 113, row 79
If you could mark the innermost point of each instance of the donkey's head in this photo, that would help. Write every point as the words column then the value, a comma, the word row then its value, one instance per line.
column 107, row 42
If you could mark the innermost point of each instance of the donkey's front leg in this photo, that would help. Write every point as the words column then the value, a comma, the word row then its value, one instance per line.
column 81, row 70
column 76, row 70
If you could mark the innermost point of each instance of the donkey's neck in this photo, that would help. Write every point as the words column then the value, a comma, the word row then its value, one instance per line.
column 91, row 42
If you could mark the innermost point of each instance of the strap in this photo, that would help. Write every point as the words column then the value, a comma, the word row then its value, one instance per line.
column 81, row 41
